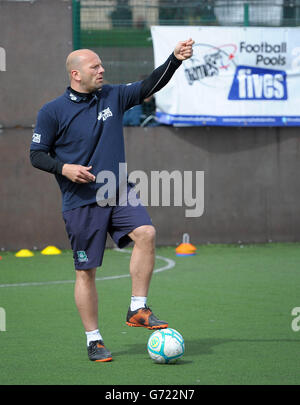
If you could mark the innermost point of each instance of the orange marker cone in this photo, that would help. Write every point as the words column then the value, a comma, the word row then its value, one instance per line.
column 186, row 248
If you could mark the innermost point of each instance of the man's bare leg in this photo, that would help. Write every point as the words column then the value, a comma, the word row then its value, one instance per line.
column 142, row 259
column 141, row 269
column 86, row 298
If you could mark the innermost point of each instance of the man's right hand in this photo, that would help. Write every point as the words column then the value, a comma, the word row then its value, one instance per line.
column 78, row 173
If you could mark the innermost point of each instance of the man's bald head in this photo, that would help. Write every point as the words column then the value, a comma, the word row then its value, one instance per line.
column 76, row 58
column 85, row 70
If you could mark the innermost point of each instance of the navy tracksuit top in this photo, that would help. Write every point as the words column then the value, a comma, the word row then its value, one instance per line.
column 87, row 131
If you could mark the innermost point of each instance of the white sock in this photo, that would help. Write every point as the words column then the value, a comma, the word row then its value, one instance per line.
column 137, row 302
column 93, row 335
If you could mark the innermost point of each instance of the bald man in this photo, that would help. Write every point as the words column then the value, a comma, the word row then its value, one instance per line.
column 78, row 67
column 79, row 138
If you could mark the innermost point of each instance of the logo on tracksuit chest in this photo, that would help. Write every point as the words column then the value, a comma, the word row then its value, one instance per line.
column 104, row 114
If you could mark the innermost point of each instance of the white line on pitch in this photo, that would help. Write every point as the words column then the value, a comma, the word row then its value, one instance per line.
column 169, row 265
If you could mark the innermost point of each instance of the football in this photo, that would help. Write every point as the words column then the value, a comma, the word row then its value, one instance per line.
column 165, row 346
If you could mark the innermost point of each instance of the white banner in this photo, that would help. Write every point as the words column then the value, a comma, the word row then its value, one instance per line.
column 237, row 76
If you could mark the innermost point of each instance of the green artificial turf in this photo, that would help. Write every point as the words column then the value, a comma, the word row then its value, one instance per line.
column 231, row 303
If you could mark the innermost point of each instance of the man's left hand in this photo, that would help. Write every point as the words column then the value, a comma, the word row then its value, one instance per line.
column 184, row 49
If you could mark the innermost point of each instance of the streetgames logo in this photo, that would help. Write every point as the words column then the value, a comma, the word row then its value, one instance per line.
column 2, row 60
column 104, row 114
column 209, row 62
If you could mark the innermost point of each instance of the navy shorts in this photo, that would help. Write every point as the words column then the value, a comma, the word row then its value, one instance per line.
column 87, row 228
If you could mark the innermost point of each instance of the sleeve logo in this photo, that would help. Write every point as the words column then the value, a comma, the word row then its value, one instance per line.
column 36, row 138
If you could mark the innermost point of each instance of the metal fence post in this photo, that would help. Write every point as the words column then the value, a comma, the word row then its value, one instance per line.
column 246, row 15
column 76, row 23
